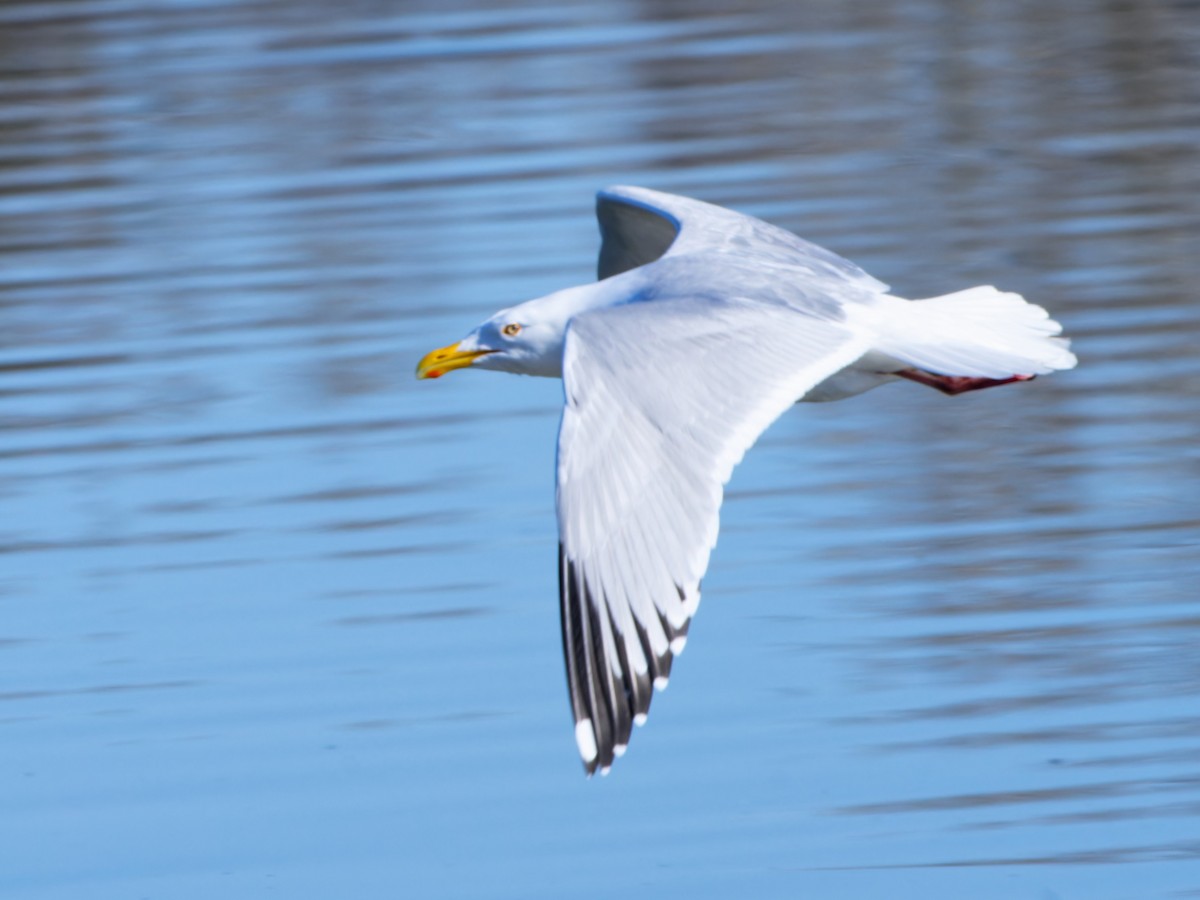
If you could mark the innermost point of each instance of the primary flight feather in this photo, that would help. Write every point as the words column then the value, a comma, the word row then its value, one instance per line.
column 704, row 326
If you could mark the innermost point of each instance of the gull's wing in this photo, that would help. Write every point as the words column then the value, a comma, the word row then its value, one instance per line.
column 639, row 226
column 662, row 401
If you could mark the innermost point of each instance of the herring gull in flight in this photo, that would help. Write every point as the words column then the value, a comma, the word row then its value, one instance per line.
column 705, row 325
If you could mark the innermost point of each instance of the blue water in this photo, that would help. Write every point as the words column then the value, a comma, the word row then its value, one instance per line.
column 277, row 619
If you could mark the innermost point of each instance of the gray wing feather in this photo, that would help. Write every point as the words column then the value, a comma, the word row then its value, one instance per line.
column 639, row 226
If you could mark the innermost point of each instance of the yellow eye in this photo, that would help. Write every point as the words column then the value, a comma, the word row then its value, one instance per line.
column 512, row 329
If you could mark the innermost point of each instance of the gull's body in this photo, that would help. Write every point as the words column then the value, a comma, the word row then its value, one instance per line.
column 704, row 327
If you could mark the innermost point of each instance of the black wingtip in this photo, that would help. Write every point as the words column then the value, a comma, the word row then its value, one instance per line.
column 608, row 696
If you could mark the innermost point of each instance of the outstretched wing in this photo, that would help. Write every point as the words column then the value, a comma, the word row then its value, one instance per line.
column 662, row 401
column 639, row 226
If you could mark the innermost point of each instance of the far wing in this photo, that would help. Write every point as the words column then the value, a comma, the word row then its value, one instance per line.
column 639, row 226
column 662, row 401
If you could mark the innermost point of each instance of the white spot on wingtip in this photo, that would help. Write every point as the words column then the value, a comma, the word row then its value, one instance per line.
column 619, row 749
column 677, row 644
column 585, row 737
column 660, row 683
column 639, row 719
column 604, row 770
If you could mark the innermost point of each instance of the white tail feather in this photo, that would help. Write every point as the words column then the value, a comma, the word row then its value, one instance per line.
column 979, row 332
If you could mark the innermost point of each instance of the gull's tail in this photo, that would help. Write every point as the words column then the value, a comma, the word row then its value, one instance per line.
column 978, row 333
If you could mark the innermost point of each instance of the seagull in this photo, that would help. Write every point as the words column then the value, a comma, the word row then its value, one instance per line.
column 703, row 327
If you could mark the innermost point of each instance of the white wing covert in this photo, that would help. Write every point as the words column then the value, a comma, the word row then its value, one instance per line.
column 662, row 401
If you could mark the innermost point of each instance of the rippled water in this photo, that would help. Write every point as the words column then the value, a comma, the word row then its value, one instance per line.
column 277, row 619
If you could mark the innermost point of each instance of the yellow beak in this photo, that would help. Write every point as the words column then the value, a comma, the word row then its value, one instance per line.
column 441, row 361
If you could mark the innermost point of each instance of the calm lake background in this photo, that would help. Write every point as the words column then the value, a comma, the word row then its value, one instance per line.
column 278, row 620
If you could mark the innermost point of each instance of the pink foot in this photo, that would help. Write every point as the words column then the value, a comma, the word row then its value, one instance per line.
column 957, row 384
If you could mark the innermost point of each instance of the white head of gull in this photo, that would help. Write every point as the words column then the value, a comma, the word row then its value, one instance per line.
column 704, row 327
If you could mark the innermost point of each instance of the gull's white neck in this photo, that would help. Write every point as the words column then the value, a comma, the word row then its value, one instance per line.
column 566, row 304
column 545, row 321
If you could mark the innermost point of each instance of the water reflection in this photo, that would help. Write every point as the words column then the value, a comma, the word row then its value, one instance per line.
column 938, row 636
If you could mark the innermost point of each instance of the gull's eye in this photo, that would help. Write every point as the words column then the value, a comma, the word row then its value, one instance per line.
column 512, row 329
